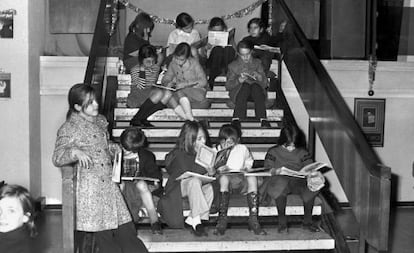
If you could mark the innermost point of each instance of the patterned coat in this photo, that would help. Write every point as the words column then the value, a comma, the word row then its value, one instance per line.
column 99, row 202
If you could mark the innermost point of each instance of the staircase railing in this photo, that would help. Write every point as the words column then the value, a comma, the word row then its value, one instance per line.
column 95, row 75
column 365, row 181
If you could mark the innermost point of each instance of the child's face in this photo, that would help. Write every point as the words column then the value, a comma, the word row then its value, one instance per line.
column 290, row 146
column 245, row 54
column 188, row 29
column 11, row 214
column 255, row 30
column 148, row 62
column 180, row 60
column 201, row 139
column 227, row 143
column 91, row 108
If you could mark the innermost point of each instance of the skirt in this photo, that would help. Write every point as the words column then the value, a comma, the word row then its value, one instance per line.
column 138, row 96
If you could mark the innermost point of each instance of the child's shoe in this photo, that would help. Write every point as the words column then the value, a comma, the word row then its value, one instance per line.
column 311, row 227
column 156, row 228
column 264, row 123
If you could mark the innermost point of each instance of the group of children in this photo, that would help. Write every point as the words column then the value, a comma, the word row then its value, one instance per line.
column 188, row 58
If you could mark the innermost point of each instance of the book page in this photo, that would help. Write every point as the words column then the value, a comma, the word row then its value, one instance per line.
column 217, row 38
column 206, row 156
column 313, row 167
column 116, row 168
column 292, row 173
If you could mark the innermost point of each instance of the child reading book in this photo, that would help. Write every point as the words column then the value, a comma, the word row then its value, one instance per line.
column 16, row 219
column 289, row 152
column 239, row 160
column 139, row 33
column 246, row 81
column 139, row 163
column 186, row 74
column 143, row 95
column 184, row 32
column 217, row 57
column 200, row 196
column 259, row 36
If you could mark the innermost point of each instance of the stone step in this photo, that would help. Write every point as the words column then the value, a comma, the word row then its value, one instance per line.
column 213, row 132
column 235, row 240
column 126, row 114
column 123, row 94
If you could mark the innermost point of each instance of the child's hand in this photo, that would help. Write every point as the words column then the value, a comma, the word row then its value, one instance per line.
column 282, row 26
column 209, row 46
column 242, row 78
column 83, row 159
column 256, row 75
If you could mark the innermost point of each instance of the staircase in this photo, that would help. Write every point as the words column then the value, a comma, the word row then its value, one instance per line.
column 162, row 139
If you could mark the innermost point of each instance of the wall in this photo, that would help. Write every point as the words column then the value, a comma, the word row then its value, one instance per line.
column 20, row 131
column 198, row 9
column 394, row 82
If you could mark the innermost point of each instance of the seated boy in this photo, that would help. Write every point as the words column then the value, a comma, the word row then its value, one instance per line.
column 246, row 81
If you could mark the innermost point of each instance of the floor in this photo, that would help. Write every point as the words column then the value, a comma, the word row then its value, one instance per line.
column 49, row 225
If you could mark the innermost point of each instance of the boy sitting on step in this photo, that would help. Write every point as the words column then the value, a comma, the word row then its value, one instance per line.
column 141, row 163
column 246, row 81
column 239, row 159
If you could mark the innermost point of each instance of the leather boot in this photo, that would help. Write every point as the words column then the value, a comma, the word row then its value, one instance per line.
column 253, row 203
column 222, row 218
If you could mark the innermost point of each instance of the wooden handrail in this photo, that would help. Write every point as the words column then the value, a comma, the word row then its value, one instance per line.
column 68, row 208
column 364, row 179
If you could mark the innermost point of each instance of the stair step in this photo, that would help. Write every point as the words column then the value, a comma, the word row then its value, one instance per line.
column 173, row 133
column 126, row 114
column 123, row 94
column 235, row 239
column 213, row 124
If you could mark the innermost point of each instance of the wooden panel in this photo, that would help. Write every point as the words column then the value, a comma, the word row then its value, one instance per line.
column 73, row 16
column 68, row 208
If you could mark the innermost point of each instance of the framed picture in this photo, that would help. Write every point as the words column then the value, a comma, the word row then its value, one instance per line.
column 5, row 85
column 370, row 115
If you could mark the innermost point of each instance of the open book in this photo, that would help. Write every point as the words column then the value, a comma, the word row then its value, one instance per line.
column 172, row 88
column 150, row 179
column 203, row 178
column 216, row 38
column 211, row 159
column 245, row 74
column 268, row 48
column 306, row 170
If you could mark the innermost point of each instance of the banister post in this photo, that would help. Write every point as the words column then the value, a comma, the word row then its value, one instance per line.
column 68, row 209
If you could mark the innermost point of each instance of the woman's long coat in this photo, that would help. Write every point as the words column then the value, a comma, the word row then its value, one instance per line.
column 99, row 202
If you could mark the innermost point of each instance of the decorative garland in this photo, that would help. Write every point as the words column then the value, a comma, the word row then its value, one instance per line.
column 7, row 14
column 160, row 20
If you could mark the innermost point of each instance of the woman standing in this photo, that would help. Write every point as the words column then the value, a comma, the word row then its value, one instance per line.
column 83, row 140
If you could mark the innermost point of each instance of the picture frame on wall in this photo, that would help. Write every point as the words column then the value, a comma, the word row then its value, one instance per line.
column 370, row 115
column 5, row 85
column 7, row 24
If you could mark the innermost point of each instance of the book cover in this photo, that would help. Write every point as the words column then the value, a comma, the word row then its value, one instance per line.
column 313, row 167
column 203, row 178
column 127, row 178
column 268, row 48
column 211, row 159
column 116, row 168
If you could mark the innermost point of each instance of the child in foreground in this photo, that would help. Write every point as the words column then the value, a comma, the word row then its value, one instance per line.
column 239, row 159
column 140, row 162
column 16, row 219
column 289, row 152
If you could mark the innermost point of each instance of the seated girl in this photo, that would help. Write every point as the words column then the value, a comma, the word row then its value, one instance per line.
column 186, row 75
column 200, row 195
column 139, row 33
column 184, row 32
column 16, row 219
column 217, row 57
column 240, row 159
column 140, row 162
column 143, row 95
column 289, row 152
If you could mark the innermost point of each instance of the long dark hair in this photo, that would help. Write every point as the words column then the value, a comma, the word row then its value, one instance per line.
column 77, row 96
column 142, row 21
column 292, row 134
column 183, row 49
column 26, row 201
column 147, row 51
column 188, row 136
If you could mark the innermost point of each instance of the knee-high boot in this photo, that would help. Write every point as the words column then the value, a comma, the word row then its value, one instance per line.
column 281, row 210
column 222, row 218
column 253, row 203
column 146, row 109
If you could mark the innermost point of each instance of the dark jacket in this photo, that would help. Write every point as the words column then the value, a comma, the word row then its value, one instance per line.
column 16, row 241
column 132, row 43
column 236, row 68
column 170, row 205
